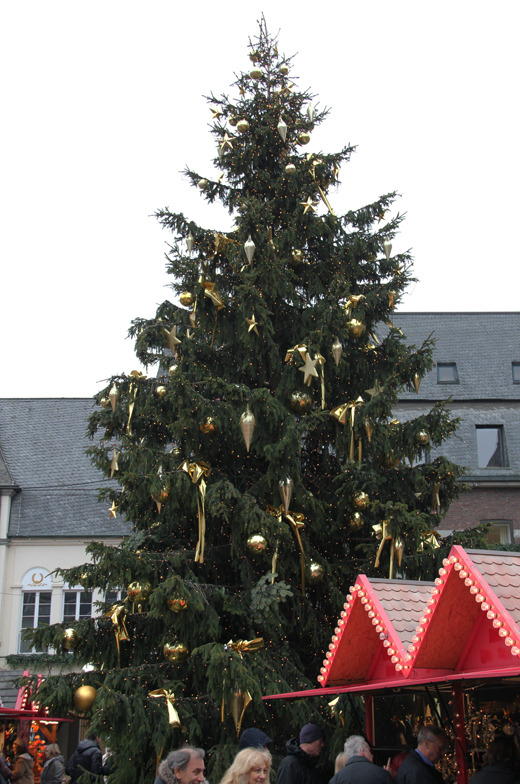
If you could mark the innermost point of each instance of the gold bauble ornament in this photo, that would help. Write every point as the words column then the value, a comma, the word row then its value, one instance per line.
column 139, row 592
column 304, row 137
column 290, row 169
column 422, row 437
column 356, row 522
column 316, row 572
column 361, row 500
column 256, row 543
column 187, row 299
column 233, row 121
column 284, row 69
column 356, row 329
column 255, row 73
column 177, row 604
column 70, row 639
column 254, row 56
column 300, row 401
column 175, row 652
column 84, row 698
column 161, row 391
column 297, row 255
column 160, row 498
column 390, row 461
column 209, row 426
column 104, row 402
column 242, row 126
column 247, row 426
column 203, row 184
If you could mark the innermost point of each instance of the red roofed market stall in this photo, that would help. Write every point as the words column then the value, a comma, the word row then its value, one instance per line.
column 447, row 652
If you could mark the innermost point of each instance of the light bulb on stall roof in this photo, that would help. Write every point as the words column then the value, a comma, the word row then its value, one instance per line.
column 463, row 573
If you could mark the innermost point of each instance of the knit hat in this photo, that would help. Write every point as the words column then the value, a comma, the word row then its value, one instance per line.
column 253, row 738
column 310, row 733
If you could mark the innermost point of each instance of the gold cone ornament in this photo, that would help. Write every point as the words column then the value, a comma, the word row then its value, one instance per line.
column 387, row 247
column 175, row 652
column 249, row 247
column 310, row 112
column 84, row 698
column 256, row 544
column 337, row 351
column 70, row 639
column 162, row 496
column 316, row 572
column 282, row 129
column 247, row 426
column 242, row 126
column 286, row 487
column 300, row 402
column 417, row 382
column 114, row 396
column 190, row 241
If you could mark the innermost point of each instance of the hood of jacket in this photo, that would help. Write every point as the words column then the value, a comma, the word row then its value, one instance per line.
column 166, row 773
column 294, row 748
column 86, row 744
column 59, row 758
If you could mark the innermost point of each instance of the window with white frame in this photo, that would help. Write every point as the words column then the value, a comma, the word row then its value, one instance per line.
column 36, row 604
column 77, row 604
column 501, row 532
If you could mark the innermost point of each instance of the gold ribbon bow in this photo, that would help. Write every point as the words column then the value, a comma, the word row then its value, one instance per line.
column 242, row 646
column 173, row 716
column 213, row 295
column 340, row 412
column 436, row 501
column 295, row 520
column 396, row 546
column 219, row 242
column 321, row 362
column 352, row 302
column 117, row 616
column 197, row 472
column 431, row 538
column 300, row 348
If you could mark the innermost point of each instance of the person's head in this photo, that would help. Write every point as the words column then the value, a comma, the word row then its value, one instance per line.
column 341, row 761
column 250, row 766
column 311, row 740
column 92, row 736
column 356, row 746
column 20, row 746
column 187, row 764
column 502, row 749
column 52, row 750
column 432, row 741
column 253, row 739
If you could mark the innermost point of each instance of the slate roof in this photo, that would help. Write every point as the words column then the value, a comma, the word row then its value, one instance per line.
column 9, row 692
column 404, row 602
column 501, row 570
column 43, row 443
column 482, row 344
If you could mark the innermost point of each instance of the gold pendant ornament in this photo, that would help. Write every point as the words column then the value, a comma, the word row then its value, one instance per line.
column 282, row 129
column 190, row 241
column 337, row 351
column 247, row 426
column 238, row 704
column 286, row 487
column 114, row 396
column 249, row 247
column 387, row 247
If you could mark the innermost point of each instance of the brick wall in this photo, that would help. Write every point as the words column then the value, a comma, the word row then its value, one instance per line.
column 485, row 504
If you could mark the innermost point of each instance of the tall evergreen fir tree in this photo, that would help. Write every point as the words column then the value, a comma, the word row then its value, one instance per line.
column 262, row 467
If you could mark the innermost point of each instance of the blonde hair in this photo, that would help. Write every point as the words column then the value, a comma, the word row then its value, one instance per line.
column 53, row 749
column 341, row 761
column 243, row 764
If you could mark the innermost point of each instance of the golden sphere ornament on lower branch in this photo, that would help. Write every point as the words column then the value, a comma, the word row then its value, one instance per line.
column 70, row 639
column 256, row 544
column 139, row 591
column 356, row 329
column 316, row 572
column 361, row 500
column 290, row 169
column 175, row 652
column 300, row 402
column 304, row 138
column 84, row 698
column 242, row 126
column 356, row 522
column 297, row 256
column 209, row 426
column 422, row 438
column 177, row 603
column 161, row 391
column 186, row 298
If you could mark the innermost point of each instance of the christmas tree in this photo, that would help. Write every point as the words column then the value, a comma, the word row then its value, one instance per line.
column 262, row 467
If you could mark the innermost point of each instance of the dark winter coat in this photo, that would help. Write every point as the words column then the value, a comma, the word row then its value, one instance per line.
column 5, row 770
column 52, row 771
column 297, row 767
column 414, row 770
column 23, row 769
column 359, row 770
column 87, row 757
column 491, row 774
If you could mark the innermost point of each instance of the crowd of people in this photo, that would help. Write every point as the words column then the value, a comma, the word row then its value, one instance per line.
column 252, row 765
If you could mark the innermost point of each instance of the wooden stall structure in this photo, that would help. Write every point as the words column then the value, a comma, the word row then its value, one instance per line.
column 447, row 652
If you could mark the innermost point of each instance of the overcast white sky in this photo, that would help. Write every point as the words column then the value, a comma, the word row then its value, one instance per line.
column 102, row 107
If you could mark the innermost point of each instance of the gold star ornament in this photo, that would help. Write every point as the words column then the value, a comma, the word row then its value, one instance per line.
column 376, row 389
column 226, row 143
column 309, row 369
column 113, row 509
column 252, row 324
column 309, row 205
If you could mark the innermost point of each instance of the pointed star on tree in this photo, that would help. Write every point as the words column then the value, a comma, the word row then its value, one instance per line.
column 309, row 369
column 252, row 324
column 113, row 509
column 216, row 112
column 226, row 143
column 114, row 464
column 173, row 341
column 310, row 205
column 242, row 92
column 376, row 389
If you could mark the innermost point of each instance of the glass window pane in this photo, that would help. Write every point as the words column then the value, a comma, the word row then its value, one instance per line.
column 516, row 372
column 85, row 605
column 490, row 447
column 446, row 373
column 69, row 605
column 29, row 605
column 44, row 609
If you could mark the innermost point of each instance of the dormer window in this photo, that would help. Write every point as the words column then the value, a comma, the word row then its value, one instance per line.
column 516, row 372
column 447, row 373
